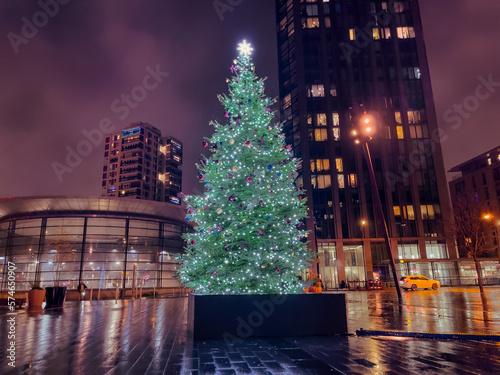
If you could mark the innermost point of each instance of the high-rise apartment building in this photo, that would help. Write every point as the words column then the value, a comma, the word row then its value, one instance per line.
column 340, row 60
column 478, row 181
column 140, row 163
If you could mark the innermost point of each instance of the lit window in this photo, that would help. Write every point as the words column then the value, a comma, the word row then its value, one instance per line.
column 309, row 120
column 397, row 116
column 340, row 179
column 353, row 181
column 352, row 34
column 397, row 211
column 283, row 23
column 414, row 117
column 411, row 214
column 489, row 161
column 417, row 131
column 435, row 250
column 408, row 251
column 376, row 34
column 399, row 131
column 320, row 165
column 327, row 22
column 398, row 6
column 386, row 33
column 310, row 23
column 323, row 164
column 286, row 102
column 423, row 209
column 417, row 72
column 316, row 91
column 412, row 132
column 333, row 90
column 428, row 212
column 336, row 134
column 339, row 165
column 335, row 118
column 324, row 181
column 321, row 119
column 405, row 32
column 320, row 135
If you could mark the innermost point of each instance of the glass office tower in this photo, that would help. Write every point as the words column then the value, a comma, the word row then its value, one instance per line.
column 340, row 60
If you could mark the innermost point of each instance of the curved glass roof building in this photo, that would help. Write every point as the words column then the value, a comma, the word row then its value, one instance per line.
column 97, row 240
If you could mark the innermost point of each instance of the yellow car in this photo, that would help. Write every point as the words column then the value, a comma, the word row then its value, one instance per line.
column 415, row 282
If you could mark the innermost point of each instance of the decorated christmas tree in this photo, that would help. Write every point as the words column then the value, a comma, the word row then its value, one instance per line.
column 249, row 234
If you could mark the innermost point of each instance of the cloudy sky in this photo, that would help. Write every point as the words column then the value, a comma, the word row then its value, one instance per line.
column 67, row 75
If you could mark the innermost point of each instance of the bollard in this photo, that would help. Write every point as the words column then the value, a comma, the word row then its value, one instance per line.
column 90, row 297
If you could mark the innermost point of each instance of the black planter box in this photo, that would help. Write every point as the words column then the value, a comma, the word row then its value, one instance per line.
column 237, row 317
column 55, row 296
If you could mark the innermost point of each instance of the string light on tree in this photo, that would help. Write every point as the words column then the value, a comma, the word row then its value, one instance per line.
column 249, row 237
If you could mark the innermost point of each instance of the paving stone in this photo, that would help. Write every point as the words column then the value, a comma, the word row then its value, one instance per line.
column 273, row 365
column 222, row 363
column 254, row 362
column 235, row 357
column 242, row 367
column 104, row 338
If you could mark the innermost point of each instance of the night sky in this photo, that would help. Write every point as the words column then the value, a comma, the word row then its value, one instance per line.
column 66, row 78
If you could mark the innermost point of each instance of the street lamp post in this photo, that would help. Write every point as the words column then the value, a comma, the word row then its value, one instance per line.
column 363, row 225
column 363, row 139
column 316, row 244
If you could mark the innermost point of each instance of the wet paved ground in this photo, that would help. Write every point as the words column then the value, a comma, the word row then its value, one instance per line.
column 149, row 337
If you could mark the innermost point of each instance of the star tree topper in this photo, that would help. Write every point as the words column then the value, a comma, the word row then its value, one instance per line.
column 245, row 48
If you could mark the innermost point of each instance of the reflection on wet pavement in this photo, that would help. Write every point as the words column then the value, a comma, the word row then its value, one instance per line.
column 444, row 310
column 149, row 337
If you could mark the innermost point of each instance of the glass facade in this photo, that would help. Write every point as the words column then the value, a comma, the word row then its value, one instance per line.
column 354, row 263
column 99, row 250
column 327, row 254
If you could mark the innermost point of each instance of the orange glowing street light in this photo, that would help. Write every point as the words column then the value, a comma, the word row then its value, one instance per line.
column 367, row 124
column 487, row 216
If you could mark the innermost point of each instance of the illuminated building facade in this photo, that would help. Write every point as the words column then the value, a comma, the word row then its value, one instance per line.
column 340, row 60
column 140, row 163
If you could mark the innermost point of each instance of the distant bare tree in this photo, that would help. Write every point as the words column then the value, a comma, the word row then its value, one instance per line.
column 473, row 221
